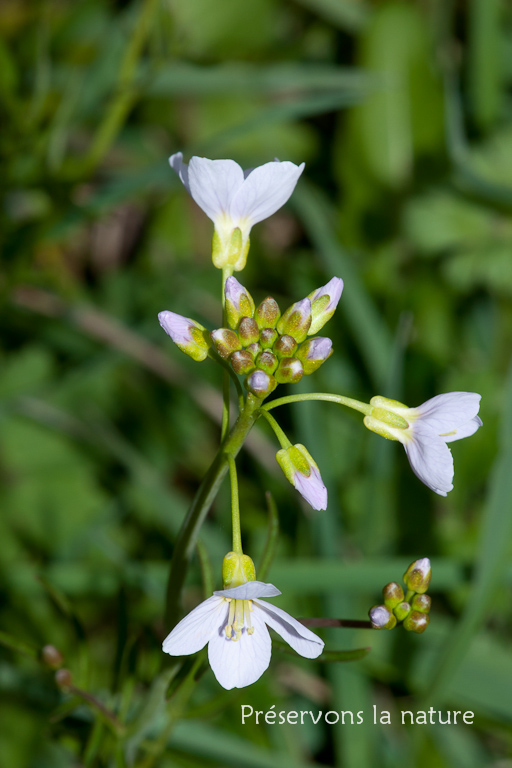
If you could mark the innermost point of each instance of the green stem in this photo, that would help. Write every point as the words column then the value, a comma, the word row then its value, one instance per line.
column 285, row 443
column 212, row 354
column 226, row 272
column 338, row 399
column 235, row 507
column 202, row 502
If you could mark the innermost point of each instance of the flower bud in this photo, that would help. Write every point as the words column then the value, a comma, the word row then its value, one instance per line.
column 239, row 302
column 381, row 617
column 285, row 346
column 260, row 383
column 393, row 595
column 267, row 337
column 313, row 352
column 229, row 250
column 225, row 342
column 302, row 472
column 237, row 569
column 417, row 576
column 52, row 657
column 289, row 371
column 254, row 350
column 324, row 302
column 242, row 362
column 417, row 622
column 64, row 678
column 296, row 321
column 268, row 313
column 191, row 337
column 421, row 603
column 248, row 331
column 267, row 361
column 402, row 610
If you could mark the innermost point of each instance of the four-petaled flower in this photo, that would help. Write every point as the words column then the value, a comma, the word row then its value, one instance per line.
column 424, row 432
column 234, row 624
column 235, row 199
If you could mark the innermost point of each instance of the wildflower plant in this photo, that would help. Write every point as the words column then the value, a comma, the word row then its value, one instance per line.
column 261, row 346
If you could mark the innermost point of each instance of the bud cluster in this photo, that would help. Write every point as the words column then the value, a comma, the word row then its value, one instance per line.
column 270, row 348
column 410, row 609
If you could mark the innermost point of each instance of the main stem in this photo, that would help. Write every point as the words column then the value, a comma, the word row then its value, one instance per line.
column 202, row 502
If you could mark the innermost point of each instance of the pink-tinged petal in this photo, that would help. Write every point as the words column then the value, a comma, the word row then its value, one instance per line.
column 430, row 459
column 333, row 289
column 176, row 326
column 237, row 663
column 181, row 168
column 249, row 591
column 311, row 488
column 466, row 430
column 449, row 411
column 214, row 184
column 298, row 637
column 265, row 190
column 197, row 628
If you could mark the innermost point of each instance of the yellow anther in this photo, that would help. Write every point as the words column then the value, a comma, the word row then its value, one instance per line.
column 447, row 434
column 228, row 630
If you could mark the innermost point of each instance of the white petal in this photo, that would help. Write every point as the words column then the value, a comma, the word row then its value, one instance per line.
column 265, row 190
column 430, row 459
column 311, row 488
column 176, row 326
column 467, row 429
column 195, row 630
column 447, row 412
column 333, row 289
column 214, row 184
column 249, row 591
column 299, row 637
column 181, row 168
column 237, row 663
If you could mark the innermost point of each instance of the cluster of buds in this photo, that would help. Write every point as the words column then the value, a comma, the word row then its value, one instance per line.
column 410, row 609
column 270, row 348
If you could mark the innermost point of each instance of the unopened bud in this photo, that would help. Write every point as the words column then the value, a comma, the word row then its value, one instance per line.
column 225, row 342
column 267, row 361
column 417, row 576
column 402, row 610
column 313, row 352
column 254, row 350
column 324, row 302
column 267, row 337
column 381, row 617
column 268, row 313
column 260, row 383
column 248, row 331
column 189, row 336
column 237, row 569
column 64, row 678
column 417, row 622
column 239, row 302
column 289, row 371
column 421, row 603
column 285, row 346
column 242, row 362
column 296, row 321
column 393, row 595
column 52, row 657
column 302, row 471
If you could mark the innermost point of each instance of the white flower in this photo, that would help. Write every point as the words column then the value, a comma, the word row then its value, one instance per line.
column 425, row 430
column 302, row 472
column 236, row 199
column 234, row 624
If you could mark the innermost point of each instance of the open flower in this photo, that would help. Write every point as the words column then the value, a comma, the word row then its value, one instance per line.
column 302, row 471
column 425, row 430
column 234, row 624
column 235, row 199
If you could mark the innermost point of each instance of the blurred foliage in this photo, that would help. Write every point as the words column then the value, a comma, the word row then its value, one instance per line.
column 402, row 113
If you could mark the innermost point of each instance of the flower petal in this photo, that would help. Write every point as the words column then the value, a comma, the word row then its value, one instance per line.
column 449, row 411
column 249, row 591
column 237, row 663
column 265, row 190
column 311, row 488
column 430, row 459
column 299, row 637
column 466, row 430
column 181, row 168
column 196, row 629
column 214, row 184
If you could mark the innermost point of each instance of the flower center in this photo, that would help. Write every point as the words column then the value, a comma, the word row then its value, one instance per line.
column 239, row 615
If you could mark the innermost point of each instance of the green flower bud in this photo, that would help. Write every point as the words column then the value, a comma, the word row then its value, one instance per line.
column 417, row 576
column 324, row 301
column 248, row 331
column 254, row 350
column 296, row 321
column 285, row 346
column 381, row 617
column 393, row 595
column 417, row 622
column 260, row 383
column 242, row 362
column 191, row 337
column 237, row 569
column 64, row 679
column 225, row 342
column 267, row 362
column 289, row 371
column 268, row 313
column 52, row 657
column 402, row 610
column 313, row 352
column 421, row 603
column 267, row 338
column 239, row 302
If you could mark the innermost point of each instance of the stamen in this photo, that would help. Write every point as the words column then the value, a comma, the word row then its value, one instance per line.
column 247, row 615
column 229, row 626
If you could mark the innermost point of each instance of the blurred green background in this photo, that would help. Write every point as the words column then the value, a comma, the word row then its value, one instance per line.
column 403, row 114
